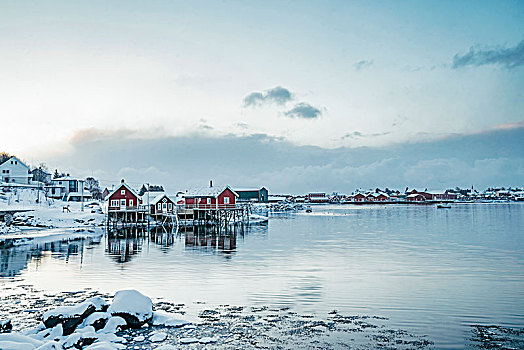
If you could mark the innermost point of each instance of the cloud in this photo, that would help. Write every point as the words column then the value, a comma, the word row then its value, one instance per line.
column 491, row 158
column 278, row 95
column 358, row 134
column 364, row 64
column 505, row 57
column 304, row 111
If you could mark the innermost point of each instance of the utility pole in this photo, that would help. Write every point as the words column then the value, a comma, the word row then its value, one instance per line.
column 148, row 206
column 82, row 195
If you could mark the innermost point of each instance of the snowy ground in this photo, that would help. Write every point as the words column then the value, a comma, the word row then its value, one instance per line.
column 47, row 213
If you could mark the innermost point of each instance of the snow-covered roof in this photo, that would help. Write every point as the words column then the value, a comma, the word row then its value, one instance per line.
column 207, row 192
column 414, row 195
column 79, row 194
column 159, row 198
column 64, row 178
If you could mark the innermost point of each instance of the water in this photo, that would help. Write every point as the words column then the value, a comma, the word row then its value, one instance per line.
column 431, row 271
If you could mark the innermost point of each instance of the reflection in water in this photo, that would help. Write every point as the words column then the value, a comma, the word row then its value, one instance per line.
column 14, row 260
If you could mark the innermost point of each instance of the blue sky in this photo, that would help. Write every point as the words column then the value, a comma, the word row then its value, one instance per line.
column 353, row 73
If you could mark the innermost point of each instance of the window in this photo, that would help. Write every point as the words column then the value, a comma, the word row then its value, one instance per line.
column 158, row 206
column 170, row 206
column 123, row 192
column 164, row 206
column 122, row 202
column 209, row 201
column 114, row 202
column 130, row 202
column 226, row 200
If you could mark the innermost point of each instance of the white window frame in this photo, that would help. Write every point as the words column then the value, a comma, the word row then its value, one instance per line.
column 209, row 201
column 122, row 202
column 122, row 192
column 130, row 202
column 115, row 203
column 170, row 206
column 159, row 206
column 226, row 200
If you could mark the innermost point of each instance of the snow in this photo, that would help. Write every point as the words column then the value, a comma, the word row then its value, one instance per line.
column 161, row 318
column 166, row 347
column 158, row 337
column 113, row 325
column 134, row 303
column 207, row 340
column 207, row 192
column 25, row 342
column 139, row 338
column 76, row 310
column 188, row 340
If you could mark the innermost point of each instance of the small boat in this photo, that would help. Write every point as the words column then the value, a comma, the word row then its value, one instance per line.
column 308, row 209
column 443, row 206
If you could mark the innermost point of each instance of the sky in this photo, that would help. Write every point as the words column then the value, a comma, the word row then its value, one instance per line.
column 293, row 95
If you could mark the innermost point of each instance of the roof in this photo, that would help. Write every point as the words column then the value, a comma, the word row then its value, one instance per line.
column 126, row 186
column 206, row 192
column 64, row 178
column 159, row 198
column 251, row 189
column 19, row 161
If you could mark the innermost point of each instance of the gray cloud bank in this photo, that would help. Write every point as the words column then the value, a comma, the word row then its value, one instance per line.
column 505, row 57
column 485, row 159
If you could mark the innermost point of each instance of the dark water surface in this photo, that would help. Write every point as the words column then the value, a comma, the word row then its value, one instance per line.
column 431, row 271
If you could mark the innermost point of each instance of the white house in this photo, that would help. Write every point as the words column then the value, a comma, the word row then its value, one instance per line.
column 62, row 186
column 14, row 170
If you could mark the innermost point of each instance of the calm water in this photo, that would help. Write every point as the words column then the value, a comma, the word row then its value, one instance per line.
column 431, row 271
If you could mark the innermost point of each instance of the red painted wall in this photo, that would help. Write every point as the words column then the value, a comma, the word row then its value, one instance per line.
column 128, row 196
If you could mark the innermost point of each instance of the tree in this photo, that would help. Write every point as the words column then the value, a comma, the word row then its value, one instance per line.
column 4, row 156
column 93, row 186
column 142, row 190
column 56, row 174
column 40, row 174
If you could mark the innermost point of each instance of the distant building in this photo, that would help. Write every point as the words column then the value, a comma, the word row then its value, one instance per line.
column 210, row 198
column 15, row 171
column 258, row 196
column 416, row 197
column 317, row 197
column 41, row 175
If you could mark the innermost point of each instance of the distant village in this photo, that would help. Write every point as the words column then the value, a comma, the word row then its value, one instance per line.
column 122, row 197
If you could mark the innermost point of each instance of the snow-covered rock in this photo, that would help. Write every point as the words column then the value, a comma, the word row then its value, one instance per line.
column 114, row 324
column 158, row 337
column 165, row 347
column 161, row 318
column 97, row 319
column 71, row 316
column 132, row 306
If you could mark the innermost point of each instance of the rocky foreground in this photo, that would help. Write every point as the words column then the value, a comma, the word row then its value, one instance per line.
column 30, row 319
column 130, row 320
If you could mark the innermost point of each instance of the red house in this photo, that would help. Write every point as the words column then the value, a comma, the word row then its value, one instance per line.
column 210, row 198
column 359, row 197
column 123, row 198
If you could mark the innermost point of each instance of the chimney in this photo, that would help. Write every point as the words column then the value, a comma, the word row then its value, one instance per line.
column 122, row 181
column 210, row 183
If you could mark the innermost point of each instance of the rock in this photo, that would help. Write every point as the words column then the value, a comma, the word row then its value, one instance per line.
column 97, row 319
column 5, row 326
column 132, row 306
column 207, row 340
column 71, row 316
column 139, row 338
column 79, row 340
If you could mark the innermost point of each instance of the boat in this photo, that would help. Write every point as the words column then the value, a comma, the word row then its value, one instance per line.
column 308, row 209
column 443, row 206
